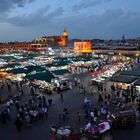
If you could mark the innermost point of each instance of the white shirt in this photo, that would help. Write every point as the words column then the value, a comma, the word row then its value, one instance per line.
column 7, row 103
column 92, row 114
column 46, row 110
column 11, row 101
column 85, row 101
column 88, row 126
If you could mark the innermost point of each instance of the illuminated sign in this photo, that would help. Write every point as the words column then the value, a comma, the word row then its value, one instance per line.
column 82, row 46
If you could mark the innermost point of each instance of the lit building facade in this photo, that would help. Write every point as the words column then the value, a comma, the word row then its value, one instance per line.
column 15, row 46
column 82, row 47
column 61, row 40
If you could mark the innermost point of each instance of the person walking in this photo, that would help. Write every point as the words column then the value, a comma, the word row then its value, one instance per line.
column 100, row 99
column 75, row 81
column 32, row 90
column 79, row 116
column 44, row 101
column 50, row 101
column 95, row 112
column 65, row 110
column 61, row 96
column 86, row 114
column 70, row 85
column 46, row 111
column 18, row 123
column 63, row 116
column 3, row 117
column 91, row 116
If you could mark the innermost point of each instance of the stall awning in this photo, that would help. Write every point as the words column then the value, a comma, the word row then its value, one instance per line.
column 132, row 72
column 57, row 64
column 115, row 63
column 60, row 72
column 18, row 71
column 124, row 79
column 35, row 68
column 7, row 57
column 12, row 65
column 45, row 76
column 137, row 83
column 61, row 59
column 96, row 73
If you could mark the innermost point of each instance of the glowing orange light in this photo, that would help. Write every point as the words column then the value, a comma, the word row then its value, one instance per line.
column 82, row 47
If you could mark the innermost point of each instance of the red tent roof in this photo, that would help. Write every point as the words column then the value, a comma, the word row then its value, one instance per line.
column 98, row 72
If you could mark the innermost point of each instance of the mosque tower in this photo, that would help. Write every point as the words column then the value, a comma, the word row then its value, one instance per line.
column 65, row 33
column 64, row 39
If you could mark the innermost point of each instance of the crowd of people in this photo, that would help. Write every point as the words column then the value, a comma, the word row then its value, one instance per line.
column 37, row 106
column 110, row 103
column 33, row 110
column 94, row 66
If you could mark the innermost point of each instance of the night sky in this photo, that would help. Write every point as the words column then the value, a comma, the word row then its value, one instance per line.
column 24, row 20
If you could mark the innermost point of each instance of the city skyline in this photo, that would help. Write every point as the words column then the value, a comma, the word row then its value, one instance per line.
column 23, row 20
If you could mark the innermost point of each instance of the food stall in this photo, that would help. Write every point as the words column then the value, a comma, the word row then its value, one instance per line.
column 124, row 119
column 124, row 82
column 15, row 77
column 137, row 84
column 106, row 73
column 41, row 80
column 63, row 73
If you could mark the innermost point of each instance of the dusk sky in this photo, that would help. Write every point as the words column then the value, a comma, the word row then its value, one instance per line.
column 24, row 20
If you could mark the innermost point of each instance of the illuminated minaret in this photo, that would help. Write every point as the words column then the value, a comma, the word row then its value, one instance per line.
column 64, row 39
column 65, row 33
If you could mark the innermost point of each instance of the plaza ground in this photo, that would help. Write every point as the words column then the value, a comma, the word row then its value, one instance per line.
column 74, row 102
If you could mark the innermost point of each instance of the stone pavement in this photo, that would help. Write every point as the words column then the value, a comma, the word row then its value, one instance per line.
column 41, row 129
column 74, row 102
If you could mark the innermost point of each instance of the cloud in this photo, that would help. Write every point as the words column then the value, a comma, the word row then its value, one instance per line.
column 6, row 5
column 37, row 18
column 87, row 4
column 12, row 33
column 108, row 24
column 27, row 26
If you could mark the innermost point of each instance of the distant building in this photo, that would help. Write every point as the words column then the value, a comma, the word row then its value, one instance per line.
column 15, row 46
column 61, row 40
column 123, row 39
